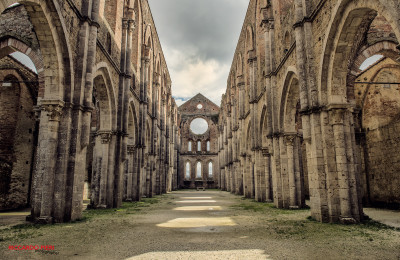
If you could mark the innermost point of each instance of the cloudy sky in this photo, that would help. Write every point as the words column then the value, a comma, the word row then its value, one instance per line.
column 198, row 38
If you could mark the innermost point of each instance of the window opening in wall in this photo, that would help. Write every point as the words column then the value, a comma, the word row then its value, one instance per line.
column 199, row 106
column 187, row 174
column 198, row 146
column 24, row 59
column 208, row 146
column 198, row 170
column 199, row 126
column 370, row 61
column 210, row 169
column 108, row 43
column 190, row 146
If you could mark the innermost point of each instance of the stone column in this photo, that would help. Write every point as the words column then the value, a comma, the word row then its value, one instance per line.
column 260, row 189
column 47, row 154
column 338, row 124
column 268, row 177
column 130, row 178
column 291, row 171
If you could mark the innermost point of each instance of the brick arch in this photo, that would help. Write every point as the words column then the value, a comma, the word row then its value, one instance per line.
column 9, row 45
column 342, row 25
column 50, row 30
column 375, row 75
column 385, row 48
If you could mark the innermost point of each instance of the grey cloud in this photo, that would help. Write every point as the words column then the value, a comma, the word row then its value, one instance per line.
column 212, row 26
column 199, row 38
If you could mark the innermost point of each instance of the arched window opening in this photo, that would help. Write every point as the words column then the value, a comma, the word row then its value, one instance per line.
column 190, row 146
column 187, row 174
column 208, row 146
column 198, row 170
column 24, row 59
column 210, row 169
column 108, row 43
column 370, row 61
column 198, row 146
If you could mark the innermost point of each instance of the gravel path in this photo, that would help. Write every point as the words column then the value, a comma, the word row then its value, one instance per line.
column 203, row 225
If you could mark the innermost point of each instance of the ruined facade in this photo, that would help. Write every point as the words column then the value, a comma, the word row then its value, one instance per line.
column 300, row 119
column 198, row 161
column 99, row 113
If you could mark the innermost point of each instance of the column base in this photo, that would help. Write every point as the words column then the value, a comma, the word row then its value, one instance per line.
column 294, row 207
column 347, row 220
column 44, row 220
column 102, row 206
column 30, row 218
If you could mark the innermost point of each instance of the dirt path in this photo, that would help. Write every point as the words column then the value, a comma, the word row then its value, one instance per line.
column 202, row 225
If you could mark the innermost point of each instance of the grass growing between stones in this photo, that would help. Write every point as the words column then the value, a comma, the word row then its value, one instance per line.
column 126, row 209
column 284, row 224
column 30, row 230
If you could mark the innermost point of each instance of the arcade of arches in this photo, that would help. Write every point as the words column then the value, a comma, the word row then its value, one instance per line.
column 301, row 118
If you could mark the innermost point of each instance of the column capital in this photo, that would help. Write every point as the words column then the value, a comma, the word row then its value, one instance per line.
column 336, row 116
column 289, row 139
column 131, row 149
column 124, row 23
column 53, row 108
column 131, row 25
column 105, row 136
column 265, row 152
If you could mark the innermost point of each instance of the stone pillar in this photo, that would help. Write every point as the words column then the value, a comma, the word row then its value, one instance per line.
column 346, row 175
column 268, row 177
column 260, row 189
column 42, row 210
column 101, row 169
column 130, row 178
column 290, row 139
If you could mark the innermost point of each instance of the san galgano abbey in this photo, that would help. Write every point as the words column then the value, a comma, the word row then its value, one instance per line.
column 302, row 127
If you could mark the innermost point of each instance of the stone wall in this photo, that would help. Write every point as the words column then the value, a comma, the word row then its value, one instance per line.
column 299, row 83
column 104, row 107
column 17, row 135
column 199, row 107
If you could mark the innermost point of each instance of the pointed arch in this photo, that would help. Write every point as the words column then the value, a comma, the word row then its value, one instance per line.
column 338, row 44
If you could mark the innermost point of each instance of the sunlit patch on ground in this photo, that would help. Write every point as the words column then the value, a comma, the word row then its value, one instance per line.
column 198, row 208
column 198, row 222
column 196, row 201
column 195, row 198
column 14, row 213
column 225, row 254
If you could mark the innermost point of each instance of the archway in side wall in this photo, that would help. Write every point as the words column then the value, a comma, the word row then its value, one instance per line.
column 147, row 176
column 18, row 135
column 248, row 178
column 131, row 175
column 54, row 90
column 100, row 167
column 349, row 30
column 291, row 127
column 266, row 155
column 379, row 119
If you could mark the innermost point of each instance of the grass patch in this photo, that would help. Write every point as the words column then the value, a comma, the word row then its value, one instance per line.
column 255, row 206
column 127, row 208
column 30, row 230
